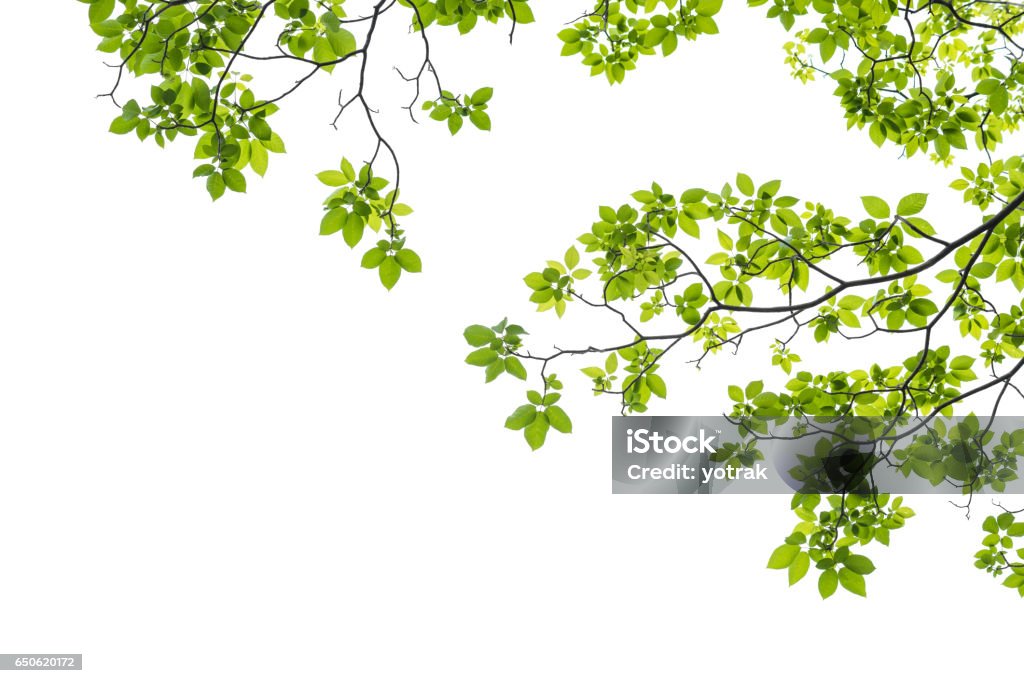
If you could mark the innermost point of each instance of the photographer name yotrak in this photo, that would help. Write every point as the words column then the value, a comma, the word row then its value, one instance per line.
column 644, row 441
column 693, row 473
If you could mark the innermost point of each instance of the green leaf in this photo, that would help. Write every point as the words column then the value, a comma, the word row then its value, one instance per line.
column 572, row 258
column 536, row 281
column 998, row 101
column 492, row 371
column 909, row 254
column 389, row 271
column 852, row 582
column 770, row 188
column 876, row 133
column 859, row 564
column 100, row 10
column 480, row 119
column 783, row 556
column 373, row 258
column 121, row 125
column 745, row 184
column 342, row 42
column 559, row 419
column 258, row 157
column 537, row 431
column 333, row 221
column 514, row 367
column 912, row 204
column 754, row 388
column 352, row 230
column 441, row 113
column 482, row 357
column 454, row 123
column 522, row 417
column 332, row 178
column 478, row 335
column 482, row 96
column 725, row 240
column 215, row 186
column 798, row 569
column 348, row 170
column 851, row 302
column 569, row 35
column 657, row 386
column 827, row 583
column 274, row 144
column 108, row 28
column 708, row 8
column 409, row 260
column 876, row 207
column 261, row 129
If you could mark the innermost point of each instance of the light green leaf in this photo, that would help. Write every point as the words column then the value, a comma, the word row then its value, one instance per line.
column 522, row 417
column 876, row 207
column 514, row 367
column 389, row 271
column 912, row 204
column 332, row 178
column 798, row 569
column 482, row 357
column 852, row 582
column 783, row 556
column 409, row 260
column 827, row 583
column 559, row 419
column 859, row 564
column 537, row 431
column 478, row 335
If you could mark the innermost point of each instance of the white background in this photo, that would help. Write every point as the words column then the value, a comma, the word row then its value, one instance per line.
column 229, row 454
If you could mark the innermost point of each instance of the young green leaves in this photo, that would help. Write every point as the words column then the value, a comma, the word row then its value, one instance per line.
column 454, row 110
column 930, row 82
column 552, row 287
column 495, row 349
column 998, row 555
column 826, row 539
column 811, row 276
column 200, row 59
column 465, row 16
column 540, row 414
column 614, row 35
column 359, row 202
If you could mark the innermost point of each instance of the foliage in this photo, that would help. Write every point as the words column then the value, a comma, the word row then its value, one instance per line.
column 356, row 204
column 202, row 68
column 779, row 263
column 929, row 75
column 613, row 36
column 997, row 545
column 774, row 265
column 829, row 538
